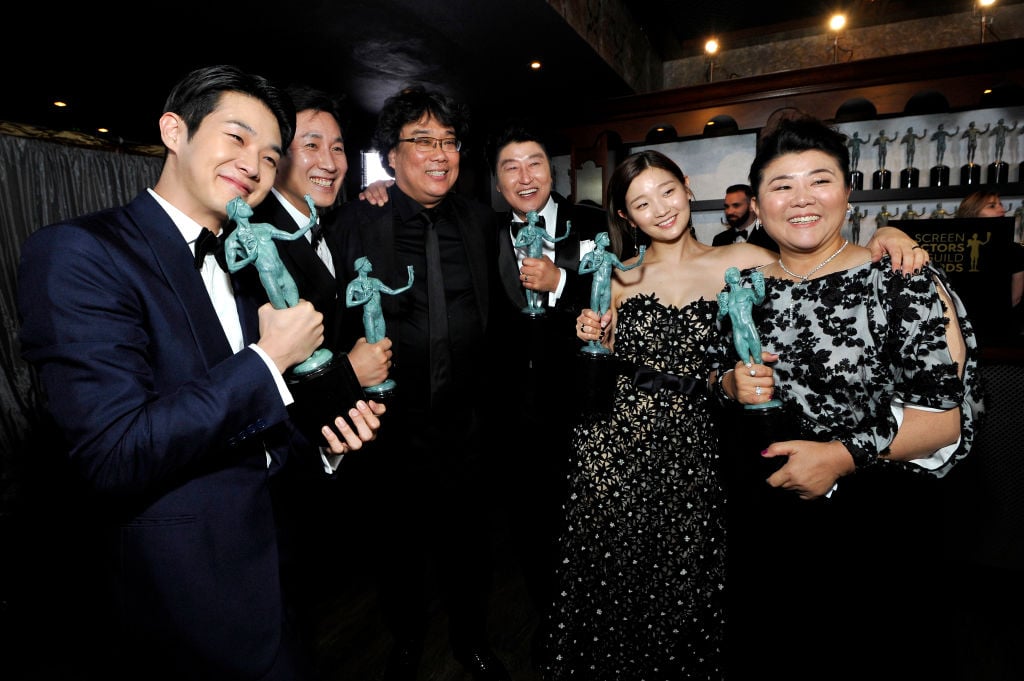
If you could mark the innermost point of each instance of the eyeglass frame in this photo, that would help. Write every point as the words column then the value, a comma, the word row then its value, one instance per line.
column 436, row 142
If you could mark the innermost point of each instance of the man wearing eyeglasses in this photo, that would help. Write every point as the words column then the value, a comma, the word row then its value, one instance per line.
column 425, row 487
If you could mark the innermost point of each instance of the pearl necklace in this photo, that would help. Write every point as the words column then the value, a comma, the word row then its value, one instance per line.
column 804, row 277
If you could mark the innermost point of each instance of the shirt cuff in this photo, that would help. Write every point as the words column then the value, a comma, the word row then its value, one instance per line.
column 282, row 388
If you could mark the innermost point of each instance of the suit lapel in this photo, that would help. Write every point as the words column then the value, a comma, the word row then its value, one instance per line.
column 174, row 260
column 508, row 264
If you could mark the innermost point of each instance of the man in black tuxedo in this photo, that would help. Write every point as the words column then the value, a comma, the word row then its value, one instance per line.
column 425, row 488
column 538, row 396
column 314, row 165
column 743, row 225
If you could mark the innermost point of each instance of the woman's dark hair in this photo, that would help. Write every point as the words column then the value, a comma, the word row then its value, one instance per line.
column 792, row 135
column 627, row 171
column 409, row 106
column 972, row 204
column 198, row 93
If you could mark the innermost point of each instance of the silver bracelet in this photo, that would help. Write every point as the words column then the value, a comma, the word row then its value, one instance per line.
column 721, row 388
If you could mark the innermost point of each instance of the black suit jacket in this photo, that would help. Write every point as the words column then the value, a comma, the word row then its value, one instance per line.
column 315, row 282
column 362, row 229
column 540, row 353
column 758, row 237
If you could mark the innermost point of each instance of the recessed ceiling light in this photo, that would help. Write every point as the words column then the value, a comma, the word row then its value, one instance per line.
column 60, row 104
column 535, row 65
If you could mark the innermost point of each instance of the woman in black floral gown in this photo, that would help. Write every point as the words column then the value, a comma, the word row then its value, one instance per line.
column 838, row 561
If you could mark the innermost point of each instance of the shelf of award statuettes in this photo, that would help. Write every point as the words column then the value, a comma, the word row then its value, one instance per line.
column 886, row 185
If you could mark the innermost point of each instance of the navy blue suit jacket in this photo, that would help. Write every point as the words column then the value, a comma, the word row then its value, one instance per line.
column 170, row 430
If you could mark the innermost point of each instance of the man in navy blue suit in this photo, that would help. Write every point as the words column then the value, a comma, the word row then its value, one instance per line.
column 168, row 388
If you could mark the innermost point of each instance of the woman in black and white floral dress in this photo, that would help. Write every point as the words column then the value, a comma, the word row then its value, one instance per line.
column 838, row 565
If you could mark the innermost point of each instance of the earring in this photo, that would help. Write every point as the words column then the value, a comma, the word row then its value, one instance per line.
column 849, row 209
column 636, row 245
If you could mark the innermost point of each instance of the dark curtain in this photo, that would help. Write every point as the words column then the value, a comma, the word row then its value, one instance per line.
column 42, row 182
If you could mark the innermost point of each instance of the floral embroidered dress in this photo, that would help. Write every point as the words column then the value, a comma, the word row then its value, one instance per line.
column 640, row 584
column 856, row 343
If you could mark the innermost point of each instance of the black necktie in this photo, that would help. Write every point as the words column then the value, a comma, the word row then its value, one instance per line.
column 207, row 242
column 437, row 311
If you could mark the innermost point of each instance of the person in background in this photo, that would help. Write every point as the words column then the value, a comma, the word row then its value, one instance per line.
column 641, row 580
column 743, row 224
column 537, row 354
column 426, row 491
column 986, row 203
column 845, row 537
column 167, row 388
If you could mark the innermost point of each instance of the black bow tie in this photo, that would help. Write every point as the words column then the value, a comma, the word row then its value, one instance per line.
column 317, row 234
column 741, row 234
column 517, row 225
column 207, row 242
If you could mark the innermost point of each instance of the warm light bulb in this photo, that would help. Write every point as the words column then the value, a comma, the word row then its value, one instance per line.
column 837, row 22
column 986, row 3
column 59, row 104
column 535, row 65
column 711, row 46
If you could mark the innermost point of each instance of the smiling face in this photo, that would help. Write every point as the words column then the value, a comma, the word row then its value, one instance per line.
column 802, row 201
column 315, row 163
column 234, row 151
column 524, row 177
column 658, row 204
column 425, row 176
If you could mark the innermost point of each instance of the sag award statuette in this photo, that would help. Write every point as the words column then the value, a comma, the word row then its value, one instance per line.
column 316, row 382
column 856, row 176
column 910, row 176
column 767, row 422
column 970, row 173
column 938, row 176
column 365, row 290
column 882, row 178
column 531, row 236
column 999, row 170
column 596, row 367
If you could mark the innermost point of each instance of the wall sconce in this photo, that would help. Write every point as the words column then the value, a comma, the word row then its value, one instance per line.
column 836, row 24
column 982, row 9
column 710, row 50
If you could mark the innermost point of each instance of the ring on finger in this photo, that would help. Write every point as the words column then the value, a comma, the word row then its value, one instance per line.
column 758, row 391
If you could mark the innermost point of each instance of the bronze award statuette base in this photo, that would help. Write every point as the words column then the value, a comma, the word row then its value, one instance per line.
column 382, row 392
column 857, row 180
column 998, row 173
column 938, row 176
column 321, row 394
column 881, row 179
column 970, row 174
column 595, row 381
column 756, row 427
column 909, row 178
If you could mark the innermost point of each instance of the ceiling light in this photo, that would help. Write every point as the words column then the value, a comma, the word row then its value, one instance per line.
column 59, row 104
column 836, row 24
column 710, row 48
column 535, row 65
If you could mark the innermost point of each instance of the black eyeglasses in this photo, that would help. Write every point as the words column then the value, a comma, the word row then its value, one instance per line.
column 449, row 145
